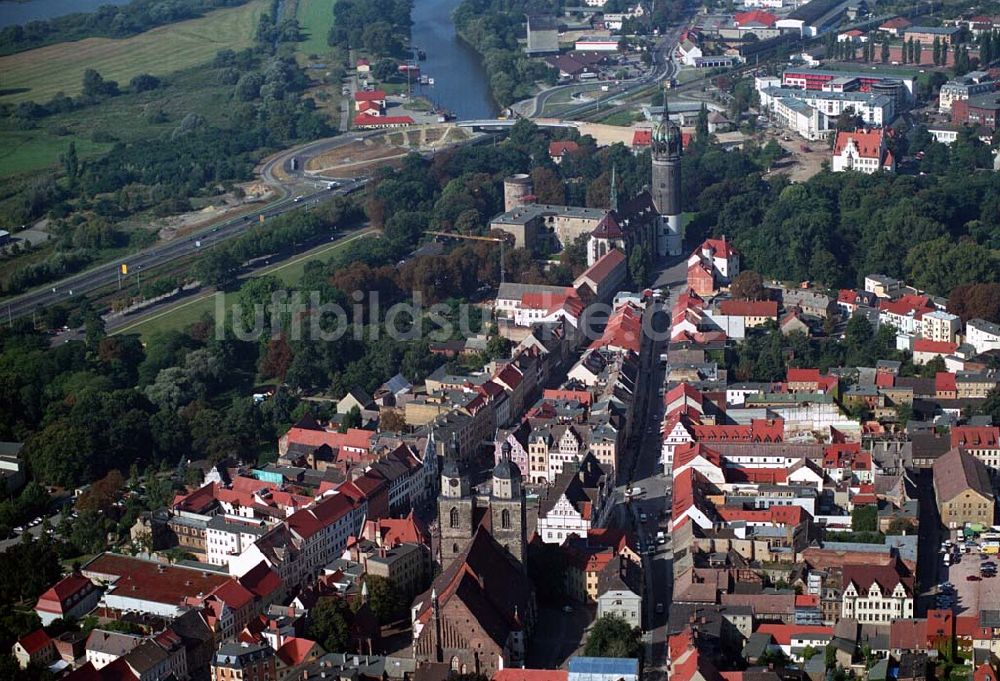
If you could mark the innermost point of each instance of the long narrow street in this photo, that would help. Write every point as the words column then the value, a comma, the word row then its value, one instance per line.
column 644, row 471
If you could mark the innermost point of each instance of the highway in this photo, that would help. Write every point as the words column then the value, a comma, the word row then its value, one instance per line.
column 164, row 253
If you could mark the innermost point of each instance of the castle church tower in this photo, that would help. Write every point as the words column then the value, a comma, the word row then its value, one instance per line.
column 666, row 189
column 508, row 508
column 456, row 507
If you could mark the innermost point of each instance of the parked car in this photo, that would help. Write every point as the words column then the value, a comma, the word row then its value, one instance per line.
column 973, row 578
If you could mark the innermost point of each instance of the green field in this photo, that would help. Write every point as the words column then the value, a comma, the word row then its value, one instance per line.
column 315, row 17
column 39, row 74
column 26, row 150
column 190, row 311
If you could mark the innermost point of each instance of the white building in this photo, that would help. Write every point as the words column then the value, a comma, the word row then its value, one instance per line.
column 876, row 594
column 812, row 113
column 940, row 326
column 982, row 335
column 104, row 647
column 578, row 501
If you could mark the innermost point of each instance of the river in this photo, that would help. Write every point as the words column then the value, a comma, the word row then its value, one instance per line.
column 460, row 82
column 13, row 13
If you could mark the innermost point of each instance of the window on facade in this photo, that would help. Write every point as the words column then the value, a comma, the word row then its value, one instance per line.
column 505, row 519
column 453, row 518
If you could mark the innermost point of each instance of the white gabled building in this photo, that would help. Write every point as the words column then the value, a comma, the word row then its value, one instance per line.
column 578, row 501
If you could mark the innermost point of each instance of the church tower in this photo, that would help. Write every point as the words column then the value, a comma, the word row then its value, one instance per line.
column 666, row 190
column 508, row 512
column 456, row 507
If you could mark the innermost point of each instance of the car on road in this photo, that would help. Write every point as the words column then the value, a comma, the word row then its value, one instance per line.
column 973, row 578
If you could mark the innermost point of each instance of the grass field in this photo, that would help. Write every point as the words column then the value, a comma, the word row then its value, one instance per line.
column 25, row 150
column 315, row 17
column 188, row 312
column 39, row 74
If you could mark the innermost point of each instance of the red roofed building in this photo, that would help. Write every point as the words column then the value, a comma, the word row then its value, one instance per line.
column 982, row 442
column 754, row 312
column 37, row 647
column 376, row 97
column 754, row 18
column 863, row 151
column 875, row 594
column 372, row 122
column 294, row 653
column 925, row 350
column 896, row 26
column 945, row 387
column 72, row 596
column 700, row 279
column 905, row 312
column 792, row 636
column 623, row 332
column 719, row 257
column 802, row 380
column 642, row 138
column 306, row 439
column 604, row 278
column 561, row 149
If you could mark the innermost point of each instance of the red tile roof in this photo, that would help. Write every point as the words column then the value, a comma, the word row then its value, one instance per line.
column 363, row 119
column 261, row 581
column 35, row 641
column 721, row 248
column 754, row 17
column 367, row 96
column 55, row 598
column 907, row 305
column 896, row 22
column 802, row 376
column 869, row 143
column 908, row 634
column 155, row 582
column 783, row 633
column 562, row 147
column 354, row 438
column 975, row 437
column 294, row 651
column 886, row 576
column 233, row 594
column 749, row 308
column 945, row 382
column 642, row 138
column 604, row 266
column 936, row 347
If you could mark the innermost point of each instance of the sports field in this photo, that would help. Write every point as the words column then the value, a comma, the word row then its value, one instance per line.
column 39, row 74
column 315, row 17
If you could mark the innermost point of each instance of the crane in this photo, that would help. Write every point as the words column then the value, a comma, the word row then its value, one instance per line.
column 475, row 237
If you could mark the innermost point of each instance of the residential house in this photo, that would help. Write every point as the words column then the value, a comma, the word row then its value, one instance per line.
column 875, row 594
column 72, row 596
column 36, row 647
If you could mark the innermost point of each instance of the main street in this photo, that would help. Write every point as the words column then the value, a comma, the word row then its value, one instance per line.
column 643, row 470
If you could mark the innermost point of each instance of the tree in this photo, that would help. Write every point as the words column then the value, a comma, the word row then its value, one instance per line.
column 900, row 526
column 385, row 600
column 701, row 128
column 864, row 518
column 917, row 49
column 143, row 82
column 937, row 51
column 885, row 51
column 352, row 419
column 391, row 420
column 329, row 623
column 71, row 164
column 102, row 494
column 748, row 285
column 971, row 301
column 611, row 636
column 384, row 69
column 637, row 266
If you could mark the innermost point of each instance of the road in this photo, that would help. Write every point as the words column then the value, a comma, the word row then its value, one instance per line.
column 643, row 469
column 664, row 67
column 142, row 261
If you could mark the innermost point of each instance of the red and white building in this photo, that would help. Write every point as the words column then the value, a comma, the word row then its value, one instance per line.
column 862, row 151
